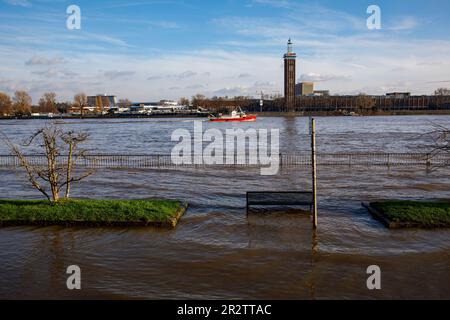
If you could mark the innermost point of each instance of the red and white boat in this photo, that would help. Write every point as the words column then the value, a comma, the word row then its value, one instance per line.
column 236, row 116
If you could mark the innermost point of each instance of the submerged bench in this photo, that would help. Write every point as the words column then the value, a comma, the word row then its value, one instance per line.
column 287, row 198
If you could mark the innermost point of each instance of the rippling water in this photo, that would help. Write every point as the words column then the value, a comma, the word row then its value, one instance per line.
column 219, row 252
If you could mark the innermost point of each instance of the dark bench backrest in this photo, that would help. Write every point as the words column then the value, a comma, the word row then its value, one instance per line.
column 279, row 198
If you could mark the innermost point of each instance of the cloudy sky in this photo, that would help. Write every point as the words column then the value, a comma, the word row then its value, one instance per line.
column 150, row 50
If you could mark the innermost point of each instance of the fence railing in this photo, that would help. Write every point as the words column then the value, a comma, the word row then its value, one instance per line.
column 285, row 160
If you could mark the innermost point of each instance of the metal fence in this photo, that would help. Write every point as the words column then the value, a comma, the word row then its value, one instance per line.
column 286, row 160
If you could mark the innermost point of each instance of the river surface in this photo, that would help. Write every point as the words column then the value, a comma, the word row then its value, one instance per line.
column 217, row 251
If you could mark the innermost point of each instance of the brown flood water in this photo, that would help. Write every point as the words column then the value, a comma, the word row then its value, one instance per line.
column 219, row 252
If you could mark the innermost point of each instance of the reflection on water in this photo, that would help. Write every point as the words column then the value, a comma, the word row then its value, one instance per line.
column 219, row 252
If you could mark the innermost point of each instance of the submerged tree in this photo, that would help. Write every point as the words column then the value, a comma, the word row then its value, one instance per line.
column 62, row 152
column 438, row 145
column 441, row 139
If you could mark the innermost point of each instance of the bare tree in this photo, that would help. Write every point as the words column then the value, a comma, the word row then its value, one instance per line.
column 184, row 102
column 58, row 172
column 80, row 102
column 48, row 103
column 442, row 92
column 5, row 104
column 198, row 100
column 22, row 103
column 441, row 139
column 124, row 103
column 73, row 140
column 63, row 107
column 365, row 103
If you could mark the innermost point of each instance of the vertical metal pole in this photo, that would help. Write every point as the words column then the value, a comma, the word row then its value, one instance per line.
column 314, row 171
column 247, row 202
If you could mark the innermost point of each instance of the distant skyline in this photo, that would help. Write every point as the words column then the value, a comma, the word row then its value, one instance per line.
column 151, row 50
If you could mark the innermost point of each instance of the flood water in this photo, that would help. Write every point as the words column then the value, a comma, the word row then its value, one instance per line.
column 217, row 251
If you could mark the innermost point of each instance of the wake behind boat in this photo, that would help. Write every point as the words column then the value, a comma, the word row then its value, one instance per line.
column 236, row 116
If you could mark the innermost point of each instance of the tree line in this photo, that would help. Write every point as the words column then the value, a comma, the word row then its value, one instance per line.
column 21, row 104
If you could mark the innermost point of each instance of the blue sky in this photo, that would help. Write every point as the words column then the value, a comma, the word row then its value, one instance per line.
column 149, row 50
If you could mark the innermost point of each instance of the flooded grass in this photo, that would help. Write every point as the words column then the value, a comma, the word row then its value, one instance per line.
column 163, row 213
column 415, row 213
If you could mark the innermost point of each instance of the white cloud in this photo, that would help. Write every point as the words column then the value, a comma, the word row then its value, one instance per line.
column 103, row 38
column 404, row 24
column 195, row 87
column 113, row 75
column 314, row 16
column 151, row 78
column 21, row 3
column 351, row 65
column 186, row 74
column 49, row 73
column 39, row 60
column 317, row 77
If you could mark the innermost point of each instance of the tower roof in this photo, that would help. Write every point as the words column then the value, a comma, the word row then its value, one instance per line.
column 290, row 51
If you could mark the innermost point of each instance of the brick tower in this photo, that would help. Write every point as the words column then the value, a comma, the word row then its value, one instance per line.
column 289, row 75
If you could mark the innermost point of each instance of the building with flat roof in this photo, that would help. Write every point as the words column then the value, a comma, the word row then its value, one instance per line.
column 304, row 89
column 321, row 93
column 398, row 95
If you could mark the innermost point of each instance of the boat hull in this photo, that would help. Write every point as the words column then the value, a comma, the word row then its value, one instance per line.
column 241, row 119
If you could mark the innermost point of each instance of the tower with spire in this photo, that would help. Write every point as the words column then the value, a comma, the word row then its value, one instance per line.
column 289, row 75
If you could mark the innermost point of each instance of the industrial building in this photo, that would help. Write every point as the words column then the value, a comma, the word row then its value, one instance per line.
column 102, row 103
column 304, row 89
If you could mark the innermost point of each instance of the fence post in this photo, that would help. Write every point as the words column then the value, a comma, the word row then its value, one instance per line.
column 428, row 160
column 314, row 171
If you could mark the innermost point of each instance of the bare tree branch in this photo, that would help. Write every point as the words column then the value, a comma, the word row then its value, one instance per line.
column 57, row 173
column 30, row 170
column 440, row 137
